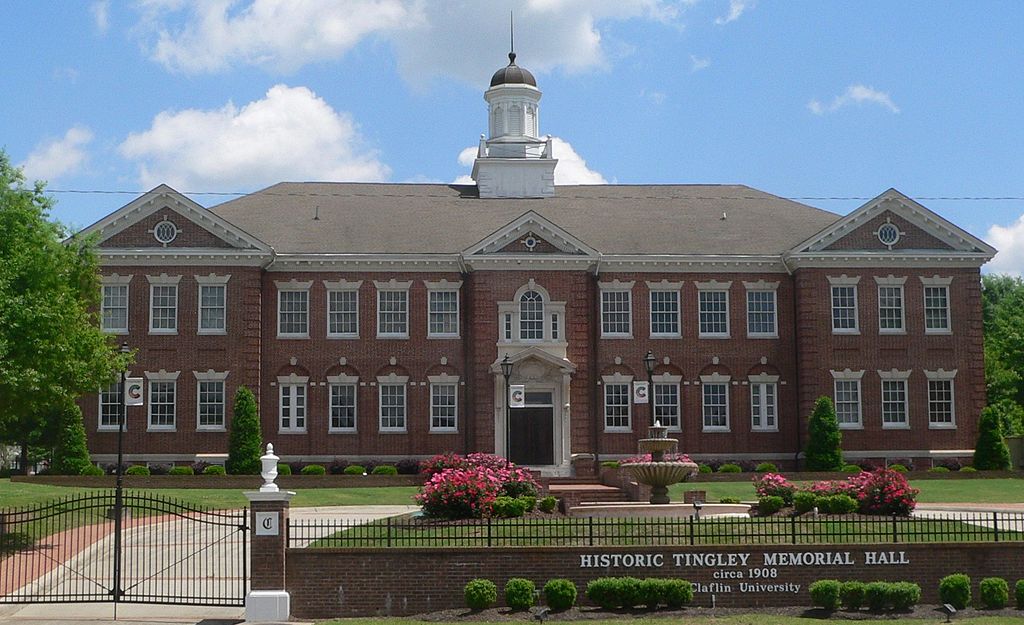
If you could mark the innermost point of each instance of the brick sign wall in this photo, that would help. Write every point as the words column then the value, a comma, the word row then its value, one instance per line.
column 347, row 582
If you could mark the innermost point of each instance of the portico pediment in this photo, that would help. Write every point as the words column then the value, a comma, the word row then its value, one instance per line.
column 530, row 233
column 564, row 365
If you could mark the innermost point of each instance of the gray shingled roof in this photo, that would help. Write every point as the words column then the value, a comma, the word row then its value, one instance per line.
column 435, row 218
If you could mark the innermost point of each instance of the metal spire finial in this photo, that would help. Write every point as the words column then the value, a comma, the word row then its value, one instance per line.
column 511, row 40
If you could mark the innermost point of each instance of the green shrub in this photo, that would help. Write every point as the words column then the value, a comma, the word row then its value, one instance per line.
column 560, row 594
column 824, row 442
column 181, row 470
column 770, row 505
column 70, row 455
column 480, row 594
column 91, row 470
column 850, row 468
column 652, row 592
column 804, row 502
column 678, row 592
column 519, row 593
column 354, row 469
column 704, row 468
column 548, row 504
column 284, row 469
column 991, row 452
column 968, row 470
column 610, row 464
column 955, row 590
column 729, row 500
column 939, row 470
column 214, row 469
column 629, row 592
column 604, row 591
column 137, row 469
column 729, row 467
column 877, row 595
column 1018, row 592
column 529, row 502
column 508, row 507
column 245, row 440
column 903, row 595
column 851, row 594
column 825, row 593
column 766, row 467
column 838, row 504
column 994, row 593
column 314, row 469
column 899, row 468
column 384, row 469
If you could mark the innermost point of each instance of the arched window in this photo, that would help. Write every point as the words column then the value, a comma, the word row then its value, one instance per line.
column 531, row 316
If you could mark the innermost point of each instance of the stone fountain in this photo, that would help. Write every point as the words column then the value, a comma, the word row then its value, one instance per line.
column 659, row 473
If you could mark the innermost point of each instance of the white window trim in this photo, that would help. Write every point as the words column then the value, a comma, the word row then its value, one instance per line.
column 99, row 410
column 445, row 286
column 293, row 285
column 895, row 375
column 161, row 376
column 163, row 280
column 949, row 376
column 716, row 378
column 844, row 280
column 665, row 287
column 211, row 280
column 675, row 380
column 617, row 378
column 616, row 286
column 443, row 380
column 848, row 375
column 118, row 280
column 391, row 380
column 715, row 285
column 763, row 287
column 395, row 285
column 892, row 282
column 758, row 381
column 211, row 376
column 292, row 380
column 937, row 281
column 334, row 286
column 343, row 380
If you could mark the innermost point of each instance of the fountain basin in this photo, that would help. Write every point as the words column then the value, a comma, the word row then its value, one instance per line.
column 660, row 473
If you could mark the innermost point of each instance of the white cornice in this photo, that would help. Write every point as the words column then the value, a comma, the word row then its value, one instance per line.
column 366, row 262
column 887, row 259
column 693, row 263
column 181, row 256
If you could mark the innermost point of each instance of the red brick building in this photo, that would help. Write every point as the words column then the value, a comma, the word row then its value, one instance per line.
column 371, row 319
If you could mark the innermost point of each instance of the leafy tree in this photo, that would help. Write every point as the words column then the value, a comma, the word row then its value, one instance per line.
column 824, row 451
column 1003, row 315
column 991, row 452
column 246, row 441
column 51, row 346
column 70, row 455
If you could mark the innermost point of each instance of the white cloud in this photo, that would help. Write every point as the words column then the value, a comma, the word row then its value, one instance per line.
column 854, row 94
column 101, row 15
column 654, row 96
column 736, row 9
column 1009, row 240
column 58, row 157
column 697, row 63
column 283, row 35
column 571, row 167
column 291, row 134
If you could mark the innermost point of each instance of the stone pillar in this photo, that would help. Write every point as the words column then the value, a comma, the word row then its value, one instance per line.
column 267, row 599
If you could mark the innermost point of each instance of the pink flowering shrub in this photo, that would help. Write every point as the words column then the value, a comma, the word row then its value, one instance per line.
column 774, row 485
column 466, row 487
column 886, row 492
column 668, row 457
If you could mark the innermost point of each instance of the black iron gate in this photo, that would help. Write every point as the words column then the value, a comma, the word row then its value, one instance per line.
column 170, row 552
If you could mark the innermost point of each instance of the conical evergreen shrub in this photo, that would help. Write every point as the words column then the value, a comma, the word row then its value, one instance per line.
column 246, row 441
column 824, row 443
column 70, row 454
column 991, row 452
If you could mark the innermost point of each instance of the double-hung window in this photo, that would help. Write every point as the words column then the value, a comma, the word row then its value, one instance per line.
column 936, row 305
column 213, row 302
column 444, row 404
column 894, row 403
column 848, row 398
column 163, row 395
column 443, row 309
column 845, row 319
column 666, row 401
column 616, row 309
column 715, row 402
column 393, row 309
column 764, row 403
column 713, row 309
column 292, row 402
column 114, row 304
column 342, row 398
column 617, row 404
column 110, row 406
column 890, row 305
column 941, row 405
column 210, row 395
column 163, row 304
column 293, row 309
column 762, row 309
column 392, row 403
column 664, row 309
column 342, row 308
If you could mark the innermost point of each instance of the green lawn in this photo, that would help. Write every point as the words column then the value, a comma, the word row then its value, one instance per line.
column 997, row 490
column 742, row 619
column 18, row 494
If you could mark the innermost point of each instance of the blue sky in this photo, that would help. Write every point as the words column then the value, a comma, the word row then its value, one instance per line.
column 798, row 98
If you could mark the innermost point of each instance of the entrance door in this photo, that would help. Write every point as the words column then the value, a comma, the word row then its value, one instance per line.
column 530, row 435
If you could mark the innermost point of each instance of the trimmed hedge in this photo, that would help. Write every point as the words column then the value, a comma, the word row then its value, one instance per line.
column 825, row 593
column 137, row 469
column 560, row 594
column 770, row 505
column 215, row 469
column 384, row 469
column 314, row 469
column 480, row 594
column 994, row 593
column 519, row 593
column 181, row 470
column 354, row 469
column 1019, row 594
column 878, row 596
column 548, row 504
column 851, row 594
column 630, row 592
column 955, row 590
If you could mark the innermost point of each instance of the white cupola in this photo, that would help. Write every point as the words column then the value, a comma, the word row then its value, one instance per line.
column 512, row 160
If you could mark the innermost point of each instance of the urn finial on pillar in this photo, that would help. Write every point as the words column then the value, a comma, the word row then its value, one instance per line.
column 269, row 471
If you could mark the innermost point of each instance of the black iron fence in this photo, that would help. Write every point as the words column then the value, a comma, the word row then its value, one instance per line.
column 929, row 527
column 171, row 552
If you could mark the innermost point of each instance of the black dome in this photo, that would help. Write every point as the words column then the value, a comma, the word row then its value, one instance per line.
column 512, row 74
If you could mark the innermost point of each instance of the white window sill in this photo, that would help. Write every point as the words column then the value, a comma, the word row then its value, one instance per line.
column 847, row 332
column 342, row 431
column 393, row 336
column 851, row 426
column 292, row 431
column 343, row 336
column 443, row 336
column 162, row 428
column 715, row 429
column 115, row 331
column 768, row 430
column 393, row 431
column 891, row 332
column 941, row 426
column 165, row 332
column 444, row 431
column 617, row 335
column 219, row 332
column 109, row 428
column 762, row 336
column 208, row 428
column 665, row 336
column 895, row 426
column 713, row 336
column 292, row 336
column 609, row 430
column 938, row 332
